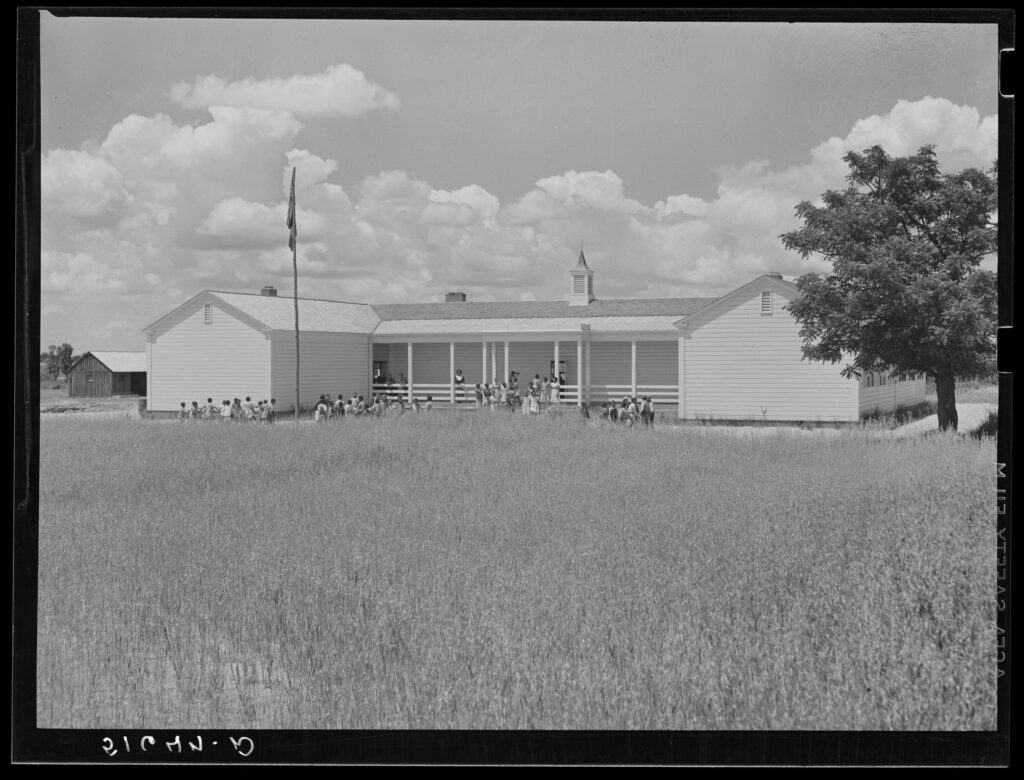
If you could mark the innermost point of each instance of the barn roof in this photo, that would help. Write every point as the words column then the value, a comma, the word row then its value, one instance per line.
column 121, row 362
column 278, row 313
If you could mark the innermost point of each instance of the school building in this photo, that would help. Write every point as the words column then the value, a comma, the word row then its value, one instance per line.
column 737, row 357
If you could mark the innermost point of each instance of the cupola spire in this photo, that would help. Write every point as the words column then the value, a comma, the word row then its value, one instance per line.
column 582, row 291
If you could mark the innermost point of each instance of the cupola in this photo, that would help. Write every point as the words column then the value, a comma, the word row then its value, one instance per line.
column 582, row 291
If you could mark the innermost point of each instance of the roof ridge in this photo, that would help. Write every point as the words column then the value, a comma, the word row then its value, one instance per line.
column 288, row 298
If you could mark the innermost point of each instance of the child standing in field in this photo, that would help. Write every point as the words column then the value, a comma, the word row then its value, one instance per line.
column 429, row 404
column 193, row 412
column 556, row 391
column 181, row 413
column 225, row 411
column 478, row 395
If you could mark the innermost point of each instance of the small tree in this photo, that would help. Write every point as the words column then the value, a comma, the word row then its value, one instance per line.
column 59, row 360
column 905, row 291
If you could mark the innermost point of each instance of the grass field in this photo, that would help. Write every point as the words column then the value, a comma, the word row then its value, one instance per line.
column 484, row 572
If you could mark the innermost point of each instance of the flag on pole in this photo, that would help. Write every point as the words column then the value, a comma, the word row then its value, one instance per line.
column 293, row 231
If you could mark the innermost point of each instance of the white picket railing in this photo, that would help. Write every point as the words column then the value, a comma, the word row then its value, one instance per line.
column 441, row 393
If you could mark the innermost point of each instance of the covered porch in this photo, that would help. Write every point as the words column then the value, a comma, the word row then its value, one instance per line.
column 595, row 367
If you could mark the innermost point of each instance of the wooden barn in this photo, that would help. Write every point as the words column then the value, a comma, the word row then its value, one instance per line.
column 737, row 357
column 104, row 374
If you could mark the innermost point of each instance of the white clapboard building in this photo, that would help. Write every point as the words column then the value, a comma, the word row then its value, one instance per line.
column 737, row 357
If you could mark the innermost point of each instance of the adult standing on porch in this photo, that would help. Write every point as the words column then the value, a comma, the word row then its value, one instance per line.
column 460, row 383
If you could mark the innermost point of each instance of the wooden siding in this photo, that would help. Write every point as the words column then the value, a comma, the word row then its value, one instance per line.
column 534, row 357
column 741, row 364
column 331, row 363
column 611, row 363
column 891, row 395
column 395, row 356
column 657, row 363
column 90, row 379
column 191, row 361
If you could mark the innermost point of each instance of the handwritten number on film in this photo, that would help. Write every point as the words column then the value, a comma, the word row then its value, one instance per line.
column 243, row 746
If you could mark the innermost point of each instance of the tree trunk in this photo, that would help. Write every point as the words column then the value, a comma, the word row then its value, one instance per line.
column 945, row 388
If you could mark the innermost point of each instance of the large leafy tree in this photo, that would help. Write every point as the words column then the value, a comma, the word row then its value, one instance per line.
column 905, row 291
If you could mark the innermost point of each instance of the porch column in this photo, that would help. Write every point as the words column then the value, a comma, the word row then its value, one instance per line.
column 505, row 379
column 494, row 362
column 588, row 372
column 579, row 370
column 408, row 375
column 483, row 365
column 451, row 370
column 682, row 372
column 632, row 380
column 556, row 357
column 369, row 360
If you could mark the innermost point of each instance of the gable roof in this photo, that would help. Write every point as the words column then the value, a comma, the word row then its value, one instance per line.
column 120, row 362
column 270, row 312
column 278, row 313
column 789, row 288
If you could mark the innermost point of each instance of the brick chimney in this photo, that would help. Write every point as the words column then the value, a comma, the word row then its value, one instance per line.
column 455, row 297
column 268, row 290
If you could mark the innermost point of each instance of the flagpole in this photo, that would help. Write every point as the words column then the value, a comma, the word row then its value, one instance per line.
column 293, row 241
column 295, row 295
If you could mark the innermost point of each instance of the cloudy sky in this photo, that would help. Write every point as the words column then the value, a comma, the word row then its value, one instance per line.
column 464, row 155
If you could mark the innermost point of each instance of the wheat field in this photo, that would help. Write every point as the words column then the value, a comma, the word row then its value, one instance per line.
column 476, row 571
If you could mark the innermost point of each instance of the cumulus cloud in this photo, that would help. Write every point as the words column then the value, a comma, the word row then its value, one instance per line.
column 82, row 185
column 341, row 90
column 159, row 211
column 77, row 273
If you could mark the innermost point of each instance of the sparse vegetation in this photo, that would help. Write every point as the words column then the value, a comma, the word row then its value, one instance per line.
column 489, row 572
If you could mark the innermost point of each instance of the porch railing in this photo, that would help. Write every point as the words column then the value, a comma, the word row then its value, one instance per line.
column 441, row 393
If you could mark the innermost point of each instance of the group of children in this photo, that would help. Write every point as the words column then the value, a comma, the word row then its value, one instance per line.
column 235, row 410
column 630, row 411
column 538, row 394
column 535, row 395
column 356, row 406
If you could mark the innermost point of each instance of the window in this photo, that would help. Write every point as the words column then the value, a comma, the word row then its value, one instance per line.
column 89, row 376
column 208, row 314
column 869, row 380
column 766, row 302
column 881, row 378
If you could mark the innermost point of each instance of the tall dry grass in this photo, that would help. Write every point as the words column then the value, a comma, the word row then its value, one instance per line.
column 483, row 571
